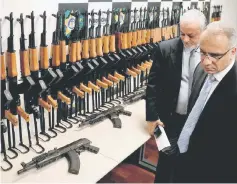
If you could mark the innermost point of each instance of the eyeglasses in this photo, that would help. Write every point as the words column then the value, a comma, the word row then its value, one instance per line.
column 211, row 56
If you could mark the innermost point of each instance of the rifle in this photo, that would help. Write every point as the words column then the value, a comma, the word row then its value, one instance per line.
column 49, row 76
column 69, row 151
column 88, row 66
column 75, row 59
column 6, row 99
column 109, row 51
column 112, row 114
column 92, row 56
column 103, row 63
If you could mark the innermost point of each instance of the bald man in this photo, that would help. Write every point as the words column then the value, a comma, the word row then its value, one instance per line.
column 169, row 86
column 208, row 141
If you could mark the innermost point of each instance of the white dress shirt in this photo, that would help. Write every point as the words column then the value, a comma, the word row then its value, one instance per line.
column 189, row 63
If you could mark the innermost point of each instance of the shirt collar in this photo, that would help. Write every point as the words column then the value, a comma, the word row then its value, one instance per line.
column 189, row 50
column 220, row 75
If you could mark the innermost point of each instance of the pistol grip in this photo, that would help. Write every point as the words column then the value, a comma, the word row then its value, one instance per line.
column 74, row 162
column 115, row 120
column 119, row 76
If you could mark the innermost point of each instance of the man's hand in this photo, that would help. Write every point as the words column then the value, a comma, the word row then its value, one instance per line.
column 151, row 125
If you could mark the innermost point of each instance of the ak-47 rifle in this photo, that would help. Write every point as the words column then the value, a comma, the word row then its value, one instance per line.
column 103, row 63
column 6, row 99
column 112, row 114
column 111, row 77
column 75, row 59
column 69, row 151
column 110, row 55
column 49, row 76
column 92, row 55
column 88, row 67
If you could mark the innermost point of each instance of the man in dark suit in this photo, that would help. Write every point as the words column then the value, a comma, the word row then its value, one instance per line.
column 169, row 86
column 207, row 143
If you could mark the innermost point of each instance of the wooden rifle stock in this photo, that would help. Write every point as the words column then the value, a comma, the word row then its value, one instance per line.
column 175, row 30
column 129, row 35
column 107, row 81
column 92, row 49
column 106, row 44
column 99, row 46
column 148, row 36
column 119, row 76
column 142, row 68
column 139, row 37
column 63, row 98
column 85, row 89
column 112, row 78
column 112, row 43
column 9, row 116
column 124, row 40
column 3, row 67
column 34, row 64
column 44, row 104
column 152, row 35
column 11, row 64
column 143, row 36
column 56, row 55
column 130, row 72
column 85, row 49
column 63, row 57
column 93, row 86
column 134, row 39
column 78, row 92
column 101, row 84
column 23, row 114
column 44, row 58
column 73, row 52
column 52, row 102
column 137, row 71
column 78, row 50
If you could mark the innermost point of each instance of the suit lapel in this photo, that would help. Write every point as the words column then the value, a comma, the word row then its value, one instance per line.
column 176, row 56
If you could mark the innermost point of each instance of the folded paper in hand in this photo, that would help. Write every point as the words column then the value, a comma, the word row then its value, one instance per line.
column 162, row 141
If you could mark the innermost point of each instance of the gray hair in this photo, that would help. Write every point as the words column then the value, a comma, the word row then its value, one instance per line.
column 224, row 28
column 194, row 15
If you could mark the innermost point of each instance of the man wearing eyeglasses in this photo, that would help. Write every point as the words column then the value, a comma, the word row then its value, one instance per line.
column 207, row 142
column 169, row 86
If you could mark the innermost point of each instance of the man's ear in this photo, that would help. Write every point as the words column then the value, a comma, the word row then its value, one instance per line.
column 234, row 51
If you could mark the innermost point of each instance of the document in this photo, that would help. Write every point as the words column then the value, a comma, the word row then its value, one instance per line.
column 162, row 141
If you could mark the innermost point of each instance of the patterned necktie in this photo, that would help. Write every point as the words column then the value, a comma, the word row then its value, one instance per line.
column 193, row 117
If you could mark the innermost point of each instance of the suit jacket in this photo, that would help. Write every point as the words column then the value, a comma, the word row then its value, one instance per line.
column 164, row 80
column 212, row 152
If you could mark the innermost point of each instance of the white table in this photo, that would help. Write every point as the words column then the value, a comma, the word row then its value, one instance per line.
column 115, row 145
